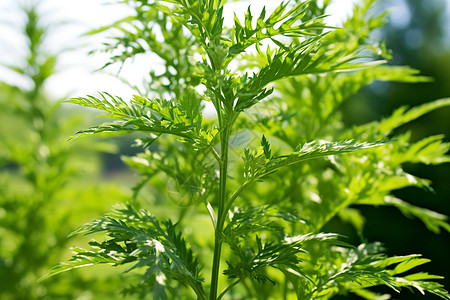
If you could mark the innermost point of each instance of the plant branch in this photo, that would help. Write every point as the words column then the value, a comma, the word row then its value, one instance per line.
column 235, row 195
column 216, row 155
column 229, row 288
column 225, row 136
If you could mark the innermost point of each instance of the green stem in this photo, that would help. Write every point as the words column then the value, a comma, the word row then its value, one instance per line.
column 235, row 195
column 225, row 136
column 229, row 288
column 216, row 266
column 216, row 156
column 199, row 291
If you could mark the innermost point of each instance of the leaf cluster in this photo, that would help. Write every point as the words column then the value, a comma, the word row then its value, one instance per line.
column 269, row 200
column 139, row 240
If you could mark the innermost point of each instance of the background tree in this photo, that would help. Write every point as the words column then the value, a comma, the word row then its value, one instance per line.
column 47, row 187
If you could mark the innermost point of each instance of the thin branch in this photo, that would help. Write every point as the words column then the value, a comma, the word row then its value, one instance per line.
column 215, row 154
column 229, row 288
column 235, row 195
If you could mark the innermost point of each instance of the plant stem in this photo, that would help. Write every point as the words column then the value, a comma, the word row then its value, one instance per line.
column 216, row 266
column 236, row 194
column 225, row 136
column 229, row 288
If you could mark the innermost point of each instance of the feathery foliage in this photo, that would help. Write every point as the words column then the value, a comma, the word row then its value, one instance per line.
column 272, row 167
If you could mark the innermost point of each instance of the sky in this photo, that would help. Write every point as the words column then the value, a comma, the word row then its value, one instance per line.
column 77, row 75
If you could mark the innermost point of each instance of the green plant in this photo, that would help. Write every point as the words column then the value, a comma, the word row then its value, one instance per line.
column 267, row 169
column 40, row 174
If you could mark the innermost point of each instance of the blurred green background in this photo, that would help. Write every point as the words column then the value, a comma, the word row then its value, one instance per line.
column 418, row 34
column 50, row 187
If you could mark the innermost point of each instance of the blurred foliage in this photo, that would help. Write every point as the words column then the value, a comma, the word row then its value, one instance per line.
column 48, row 186
column 418, row 35
column 268, row 169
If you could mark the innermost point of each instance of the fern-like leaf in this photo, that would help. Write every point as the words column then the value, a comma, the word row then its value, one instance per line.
column 146, row 115
column 139, row 238
column 257, row 166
